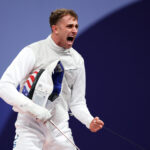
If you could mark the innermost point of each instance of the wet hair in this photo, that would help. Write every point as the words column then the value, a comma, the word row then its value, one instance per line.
column 59, row 13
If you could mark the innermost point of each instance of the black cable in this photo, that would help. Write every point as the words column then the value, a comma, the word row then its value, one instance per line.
column 124, row 138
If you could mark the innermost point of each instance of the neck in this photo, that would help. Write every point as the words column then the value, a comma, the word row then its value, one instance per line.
column 54, row 38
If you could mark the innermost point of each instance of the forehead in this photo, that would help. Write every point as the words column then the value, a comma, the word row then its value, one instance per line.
column 68, row 19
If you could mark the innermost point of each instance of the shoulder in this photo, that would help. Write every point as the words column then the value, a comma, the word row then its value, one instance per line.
column 39, row 48
column 37, row 45
column 25, row 52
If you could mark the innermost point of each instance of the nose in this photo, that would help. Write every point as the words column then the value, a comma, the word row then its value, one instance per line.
column 74, row 30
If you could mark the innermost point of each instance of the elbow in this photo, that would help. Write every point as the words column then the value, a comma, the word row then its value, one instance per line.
column 5, row 88
column 7, row 91
column 2, row 83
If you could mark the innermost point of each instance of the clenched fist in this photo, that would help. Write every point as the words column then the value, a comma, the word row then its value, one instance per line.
column 96, row 124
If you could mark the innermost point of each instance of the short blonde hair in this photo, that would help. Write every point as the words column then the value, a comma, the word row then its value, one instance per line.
column 59, row 13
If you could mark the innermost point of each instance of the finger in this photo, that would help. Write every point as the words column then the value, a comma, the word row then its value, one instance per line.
column 94, row 121
column 100, row 122
column 96, row 118
column 98, row 125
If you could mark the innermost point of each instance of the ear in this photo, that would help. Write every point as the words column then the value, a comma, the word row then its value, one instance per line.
column 55, row 29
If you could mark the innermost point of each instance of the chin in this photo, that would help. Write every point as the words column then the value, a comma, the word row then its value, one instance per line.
column 68, row 46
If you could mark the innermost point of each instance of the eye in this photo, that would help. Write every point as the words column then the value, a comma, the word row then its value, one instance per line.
column 69, row 26
column 72, row 26
column 77, row 26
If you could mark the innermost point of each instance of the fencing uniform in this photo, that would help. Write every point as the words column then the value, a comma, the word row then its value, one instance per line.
column 32, row 134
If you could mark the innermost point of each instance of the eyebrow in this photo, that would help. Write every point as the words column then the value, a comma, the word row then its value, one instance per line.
column 70, row 25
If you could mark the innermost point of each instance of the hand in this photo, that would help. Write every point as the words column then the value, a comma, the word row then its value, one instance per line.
column 37, row 111
column 41, row 113
column 96, row 124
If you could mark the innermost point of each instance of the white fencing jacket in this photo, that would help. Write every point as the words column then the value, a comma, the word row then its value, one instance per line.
column 45, row 54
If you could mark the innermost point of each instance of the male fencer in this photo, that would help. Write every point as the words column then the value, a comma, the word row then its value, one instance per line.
column 51, row 76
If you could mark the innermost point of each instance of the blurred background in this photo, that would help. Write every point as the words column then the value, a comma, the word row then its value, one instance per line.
column 114, row 39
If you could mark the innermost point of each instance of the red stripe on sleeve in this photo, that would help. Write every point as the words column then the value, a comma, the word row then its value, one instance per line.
column 29, row 85
column 32, row 78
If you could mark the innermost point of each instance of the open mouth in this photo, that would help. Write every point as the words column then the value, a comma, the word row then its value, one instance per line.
column 69, row 38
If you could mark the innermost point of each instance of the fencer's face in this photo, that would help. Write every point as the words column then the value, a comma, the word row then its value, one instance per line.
column 66, row 30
